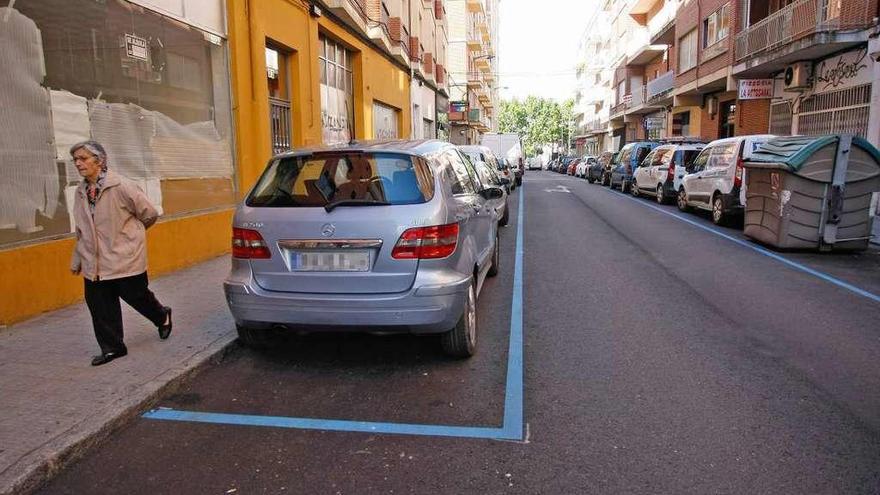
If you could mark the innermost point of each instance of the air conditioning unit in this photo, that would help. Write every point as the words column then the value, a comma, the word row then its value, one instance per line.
column 797, row 76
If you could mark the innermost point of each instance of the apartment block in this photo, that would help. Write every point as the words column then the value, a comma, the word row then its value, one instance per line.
column 709, row 69
column 473, row 62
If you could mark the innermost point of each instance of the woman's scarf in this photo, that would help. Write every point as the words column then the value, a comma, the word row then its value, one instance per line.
column 93, row 190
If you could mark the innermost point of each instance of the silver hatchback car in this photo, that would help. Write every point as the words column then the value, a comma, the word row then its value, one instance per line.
column 385, row 237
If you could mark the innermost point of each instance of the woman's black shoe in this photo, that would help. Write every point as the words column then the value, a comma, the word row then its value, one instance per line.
column 165, row 329
column 107, row 357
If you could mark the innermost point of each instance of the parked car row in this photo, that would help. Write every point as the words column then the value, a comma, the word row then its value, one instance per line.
column 696, row 175
column 380, row 237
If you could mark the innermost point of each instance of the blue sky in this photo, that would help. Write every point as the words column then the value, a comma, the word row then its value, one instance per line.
column 538, row 46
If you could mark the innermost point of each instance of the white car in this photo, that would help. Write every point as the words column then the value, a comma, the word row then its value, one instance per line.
column 583, row 166
column 660, row 173
column 716, row 179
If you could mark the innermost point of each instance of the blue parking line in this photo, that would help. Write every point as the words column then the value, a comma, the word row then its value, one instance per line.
column 793, row 264
column 512, row 426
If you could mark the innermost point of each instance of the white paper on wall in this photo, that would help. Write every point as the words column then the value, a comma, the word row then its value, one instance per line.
column 153, row 190
column 70, row 123
column 69, row 196
column 27, row 157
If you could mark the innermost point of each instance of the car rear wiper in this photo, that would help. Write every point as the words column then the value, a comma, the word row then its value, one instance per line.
column 354, row 202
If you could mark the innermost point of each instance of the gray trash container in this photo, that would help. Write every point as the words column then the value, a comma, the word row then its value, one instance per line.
column 812, row 192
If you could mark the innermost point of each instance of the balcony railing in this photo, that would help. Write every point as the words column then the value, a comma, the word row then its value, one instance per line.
column 801, row 18
column 279, row 124
column 619, row 108
column 660, row 86
column 638, row 97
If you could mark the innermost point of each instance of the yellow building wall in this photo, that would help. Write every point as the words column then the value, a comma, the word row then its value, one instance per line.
column 289, row 25
column 37, row 278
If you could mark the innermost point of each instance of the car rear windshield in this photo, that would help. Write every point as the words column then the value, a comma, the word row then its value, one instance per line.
column 325, row 178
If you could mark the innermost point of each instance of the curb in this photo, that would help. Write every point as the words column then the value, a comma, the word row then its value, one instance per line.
column 36, row 468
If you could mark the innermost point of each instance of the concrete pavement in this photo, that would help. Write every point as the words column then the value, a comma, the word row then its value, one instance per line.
column 54, row 405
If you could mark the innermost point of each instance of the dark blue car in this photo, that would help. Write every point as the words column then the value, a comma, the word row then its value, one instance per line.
column 629, row 158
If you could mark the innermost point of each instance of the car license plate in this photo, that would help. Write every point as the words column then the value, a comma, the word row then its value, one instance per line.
column 330, row 261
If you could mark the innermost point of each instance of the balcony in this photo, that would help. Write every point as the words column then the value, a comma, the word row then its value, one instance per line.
column 440, row 75
column 660, row 26
column 439, row 10
column 474, row 41
column 639, row 50
column 661, row 87
column 474, row 80
column 351, row 12
column 475, row 6
column 618, row 110
column 428, row 65
column 805, row 29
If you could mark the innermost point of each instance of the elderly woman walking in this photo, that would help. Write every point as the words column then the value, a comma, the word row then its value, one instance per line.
column 112, row 215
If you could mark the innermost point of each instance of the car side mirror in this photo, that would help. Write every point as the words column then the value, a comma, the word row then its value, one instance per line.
column 492, row 193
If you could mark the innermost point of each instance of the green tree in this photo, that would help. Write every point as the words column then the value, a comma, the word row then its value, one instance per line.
column 538, row 121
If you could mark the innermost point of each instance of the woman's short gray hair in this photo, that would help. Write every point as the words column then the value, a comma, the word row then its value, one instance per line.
column 94, row 148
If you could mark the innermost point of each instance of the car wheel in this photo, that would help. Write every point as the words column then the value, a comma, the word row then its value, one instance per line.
column 461, row 341
column 718, row 215
column 254, row 338
column 506, row 217
column 496, row 255
column 682, row 200
column 660, row 198
column 590, row 179
column 634, row 189
column 519, row 181
column 623, row 186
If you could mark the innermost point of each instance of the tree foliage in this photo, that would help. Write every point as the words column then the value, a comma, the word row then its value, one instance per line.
column 538, row 121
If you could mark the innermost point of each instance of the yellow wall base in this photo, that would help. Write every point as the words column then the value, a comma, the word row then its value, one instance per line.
column 37, row 278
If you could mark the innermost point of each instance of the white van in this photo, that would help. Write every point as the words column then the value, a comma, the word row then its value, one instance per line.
column 716, row 179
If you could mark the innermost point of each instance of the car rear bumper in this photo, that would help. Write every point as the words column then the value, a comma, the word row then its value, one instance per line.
column 426, row 308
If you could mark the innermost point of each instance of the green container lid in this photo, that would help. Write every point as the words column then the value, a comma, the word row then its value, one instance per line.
column 793, row 152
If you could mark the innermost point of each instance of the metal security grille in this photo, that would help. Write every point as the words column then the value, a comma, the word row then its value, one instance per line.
column 780, row 119
column 279, row 121
column 846, row 110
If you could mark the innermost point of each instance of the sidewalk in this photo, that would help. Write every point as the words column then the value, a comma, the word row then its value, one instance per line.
column 55, row 405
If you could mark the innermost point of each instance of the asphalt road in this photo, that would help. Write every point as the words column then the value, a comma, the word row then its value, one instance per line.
column 659, row 358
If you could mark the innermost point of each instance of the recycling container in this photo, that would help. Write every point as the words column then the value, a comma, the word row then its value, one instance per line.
column 812, row 192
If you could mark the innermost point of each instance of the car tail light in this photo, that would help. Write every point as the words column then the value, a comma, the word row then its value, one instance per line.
column 670, row 174
column 249, row 244
column 438, row 241
column 738, row 174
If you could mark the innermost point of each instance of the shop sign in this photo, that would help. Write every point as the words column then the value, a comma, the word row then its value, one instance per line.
column 843, row 71
column 655, row 123
column 136, row 47
column 458, row 106
column 755, row 89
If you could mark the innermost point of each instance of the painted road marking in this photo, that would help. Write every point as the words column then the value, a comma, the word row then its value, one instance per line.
column 559, row 188
column 770, row 254
column 512, row 424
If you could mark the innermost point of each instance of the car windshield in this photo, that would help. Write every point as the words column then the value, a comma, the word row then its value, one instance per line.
column 328, row 178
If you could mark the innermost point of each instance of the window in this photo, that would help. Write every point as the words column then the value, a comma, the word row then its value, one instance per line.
column 312, row 181
column 681, row 124
column 723, row 155
column 687, row 53
column 716, row 27
column 337, row 94
column 153, row 90
column 461, row 179
column 700, row 162
column 621, row 91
